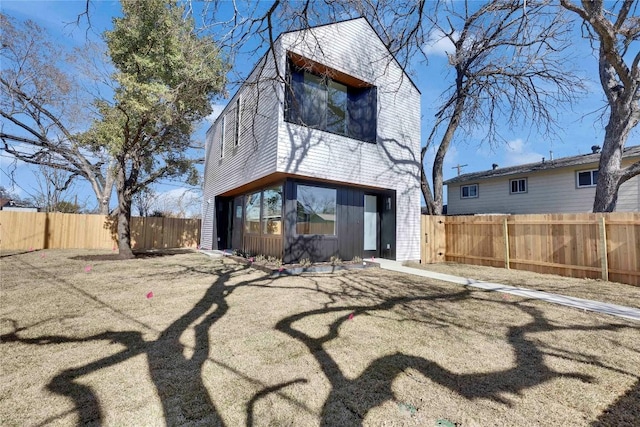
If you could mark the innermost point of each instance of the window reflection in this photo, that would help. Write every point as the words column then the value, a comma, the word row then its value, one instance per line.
column 272, row 210
column 316, row 210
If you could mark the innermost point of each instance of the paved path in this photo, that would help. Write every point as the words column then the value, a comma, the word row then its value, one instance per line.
column 583, row 304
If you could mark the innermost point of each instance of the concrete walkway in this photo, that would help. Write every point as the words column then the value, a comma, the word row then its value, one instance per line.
column 579, row 303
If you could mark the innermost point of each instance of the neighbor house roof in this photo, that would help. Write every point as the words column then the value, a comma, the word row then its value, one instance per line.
column 562, row 162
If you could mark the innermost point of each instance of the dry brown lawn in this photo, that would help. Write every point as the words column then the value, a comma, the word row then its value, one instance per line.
column 598, row 290
column 222, row 344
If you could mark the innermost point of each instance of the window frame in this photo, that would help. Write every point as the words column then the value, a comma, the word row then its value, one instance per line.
column 261, row 210
column 518, row 180
column 467, row 186
column 591, row 178
column 222, row 135
column 359, row 96
column 335, row 221
column 236, row 131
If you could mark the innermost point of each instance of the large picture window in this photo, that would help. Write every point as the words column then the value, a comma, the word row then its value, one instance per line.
column 316, row 210
column 320, row 102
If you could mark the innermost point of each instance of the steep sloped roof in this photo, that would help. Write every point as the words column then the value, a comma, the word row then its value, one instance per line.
column 562, row 162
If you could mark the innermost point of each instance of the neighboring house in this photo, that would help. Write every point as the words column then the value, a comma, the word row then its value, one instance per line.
column 322, row 161
column 564, row 185
column 12, row 205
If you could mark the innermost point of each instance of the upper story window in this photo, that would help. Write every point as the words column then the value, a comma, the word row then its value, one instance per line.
column 222, row 136
column 518, row 185
column 587, row 178
column 469, row 191
column 236, row 133
column 324, row 99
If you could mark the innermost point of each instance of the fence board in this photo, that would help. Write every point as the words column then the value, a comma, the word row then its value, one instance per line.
column 39, row 230
column 564, row 244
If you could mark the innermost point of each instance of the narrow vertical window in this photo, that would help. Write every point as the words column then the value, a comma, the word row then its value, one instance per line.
column 236, row 136
column 222, row 135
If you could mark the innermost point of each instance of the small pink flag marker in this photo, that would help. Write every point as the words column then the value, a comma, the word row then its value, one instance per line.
column 150, row 295
column 43, row 255
column 114, row 248
column 351, row 316
column 31, row 249
column 87, row 269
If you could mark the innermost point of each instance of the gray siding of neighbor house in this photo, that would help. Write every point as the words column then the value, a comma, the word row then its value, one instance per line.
column 394, row 161
column 549, row 191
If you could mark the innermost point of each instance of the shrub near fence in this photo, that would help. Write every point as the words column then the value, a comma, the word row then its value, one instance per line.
column 603, row 246
column 31, row 230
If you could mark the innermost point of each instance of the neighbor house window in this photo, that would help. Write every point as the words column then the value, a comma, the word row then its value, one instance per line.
column 469, row 191
column 587, row 178
column 321, row 102
column 316, row 210
column 518, row 185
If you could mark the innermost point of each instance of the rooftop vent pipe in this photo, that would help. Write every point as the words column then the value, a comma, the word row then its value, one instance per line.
column 494, row 166
column 595, row 149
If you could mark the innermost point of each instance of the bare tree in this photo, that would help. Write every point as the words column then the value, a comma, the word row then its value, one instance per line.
column 613, row 31
column 43, row 111
column 53, row 190
column 509, row 63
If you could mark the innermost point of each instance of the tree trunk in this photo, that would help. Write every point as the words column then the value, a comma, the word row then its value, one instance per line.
column 424, row 184
column 124, row 217
column 609, row 169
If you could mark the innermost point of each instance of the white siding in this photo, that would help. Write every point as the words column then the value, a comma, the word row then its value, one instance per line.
column 353, row 48
column 551, row 191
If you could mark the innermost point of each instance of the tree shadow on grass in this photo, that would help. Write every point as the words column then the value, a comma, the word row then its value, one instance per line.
column 178, row 378
column 350, row 400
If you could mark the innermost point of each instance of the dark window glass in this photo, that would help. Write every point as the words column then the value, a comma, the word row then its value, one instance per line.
column 316, row 210
column 587, row 178
column 314, row 103
column 336, row 108
column 272, row 210
column 519, row 185
column 325, row 104
column 514, row 186
column 469, row 191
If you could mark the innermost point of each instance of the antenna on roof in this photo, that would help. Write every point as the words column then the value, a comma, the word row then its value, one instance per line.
column 459, row 166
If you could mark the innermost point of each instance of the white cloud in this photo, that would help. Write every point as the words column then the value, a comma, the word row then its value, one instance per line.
column 518, row 152
column 216, row 110
column 439, row 44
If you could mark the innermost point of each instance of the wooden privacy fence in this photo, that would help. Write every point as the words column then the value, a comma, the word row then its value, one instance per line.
column 39, row 230
column 605, row 246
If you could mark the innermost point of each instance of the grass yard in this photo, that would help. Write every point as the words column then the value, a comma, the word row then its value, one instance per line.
column 84, row 342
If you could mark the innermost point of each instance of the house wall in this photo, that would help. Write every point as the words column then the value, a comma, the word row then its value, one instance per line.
column 393, row 162
column 255, row 155
column 550, row 191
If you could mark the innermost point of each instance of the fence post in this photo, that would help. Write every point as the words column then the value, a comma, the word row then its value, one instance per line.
column 506, row 243
column 603, row 249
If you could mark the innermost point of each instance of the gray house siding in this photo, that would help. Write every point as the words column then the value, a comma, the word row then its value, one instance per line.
column 548, row 191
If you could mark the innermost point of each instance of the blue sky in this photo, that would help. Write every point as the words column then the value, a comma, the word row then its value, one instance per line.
column 580, row 127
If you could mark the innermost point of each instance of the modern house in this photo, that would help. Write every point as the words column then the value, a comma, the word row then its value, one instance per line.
column 564, row 185
column 318, row 153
